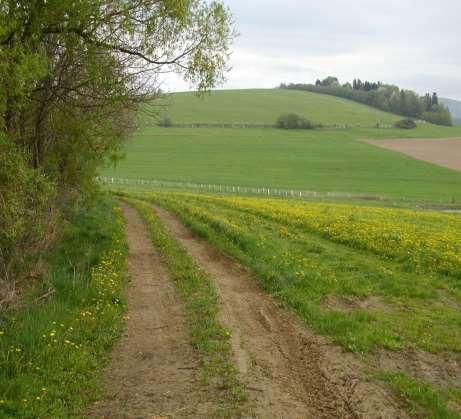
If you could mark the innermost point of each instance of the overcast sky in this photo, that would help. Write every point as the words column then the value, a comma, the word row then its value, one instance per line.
column 412, row 43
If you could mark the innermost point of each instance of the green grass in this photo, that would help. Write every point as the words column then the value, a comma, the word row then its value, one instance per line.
column 325, row 160
column 303, row 268
column 322, row 160
column 52, row 351
column 422, row 398
column 209, row 337
column 264, row 106
column 324, row 282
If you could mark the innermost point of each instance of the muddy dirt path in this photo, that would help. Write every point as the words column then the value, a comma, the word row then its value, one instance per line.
column 289, row 371
column 153, row 368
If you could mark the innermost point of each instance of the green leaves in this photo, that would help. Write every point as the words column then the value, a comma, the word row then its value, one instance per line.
column 72, row 73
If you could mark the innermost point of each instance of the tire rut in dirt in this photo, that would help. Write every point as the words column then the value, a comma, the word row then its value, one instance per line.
column 289, row 371
column 153, row 368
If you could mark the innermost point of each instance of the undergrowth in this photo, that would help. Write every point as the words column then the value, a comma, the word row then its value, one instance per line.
column 52, row 349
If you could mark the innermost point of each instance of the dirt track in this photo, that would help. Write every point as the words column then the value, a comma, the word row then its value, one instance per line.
column 289, row 371
column 153, row 371
column 444, row 152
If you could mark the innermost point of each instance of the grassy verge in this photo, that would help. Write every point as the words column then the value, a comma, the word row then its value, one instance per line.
column 421, row 398
column 209, row 337
column 52, row 349
column 364, row 301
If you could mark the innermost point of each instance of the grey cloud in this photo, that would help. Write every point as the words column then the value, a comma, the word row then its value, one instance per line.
column 414, row 43
column 446, row 86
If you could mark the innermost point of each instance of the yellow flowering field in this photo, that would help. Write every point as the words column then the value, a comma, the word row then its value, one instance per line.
column 374, row 280
column 426, row 240
column 322, row 259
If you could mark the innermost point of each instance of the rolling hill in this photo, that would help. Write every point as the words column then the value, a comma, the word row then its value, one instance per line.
column 264, row 106
column 455, row 109
column 323, row 160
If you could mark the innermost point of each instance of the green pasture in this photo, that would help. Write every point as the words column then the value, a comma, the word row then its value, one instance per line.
column 320, row 160
column 263, row 106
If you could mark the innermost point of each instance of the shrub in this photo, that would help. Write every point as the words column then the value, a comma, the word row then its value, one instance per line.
column 165, row 122
column 26, row 202
column 439, row 115
column 405, row 124
column 293, row 121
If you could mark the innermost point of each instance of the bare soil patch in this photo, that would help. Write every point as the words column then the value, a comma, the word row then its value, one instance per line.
column 153, row 369
column 441, row 369
column 289, row 371
column 444, row 152
column 372, row 302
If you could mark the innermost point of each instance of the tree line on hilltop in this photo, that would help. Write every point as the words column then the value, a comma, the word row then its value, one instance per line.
column 382, row 96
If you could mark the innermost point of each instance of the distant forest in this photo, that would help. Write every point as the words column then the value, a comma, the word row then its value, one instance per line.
column 386, row 97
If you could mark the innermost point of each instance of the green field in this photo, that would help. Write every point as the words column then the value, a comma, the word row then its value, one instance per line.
column 322, row 160
column 264, row 106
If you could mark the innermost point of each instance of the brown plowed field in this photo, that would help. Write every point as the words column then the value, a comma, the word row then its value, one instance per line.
column 444, row 152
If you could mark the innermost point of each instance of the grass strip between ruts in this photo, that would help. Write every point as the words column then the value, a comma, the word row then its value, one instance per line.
column 210, row 338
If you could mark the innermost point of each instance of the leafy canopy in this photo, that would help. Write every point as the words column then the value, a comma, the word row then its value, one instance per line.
column 73, row 72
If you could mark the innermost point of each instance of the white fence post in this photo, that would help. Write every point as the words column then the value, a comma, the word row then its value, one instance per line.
column 235, row 188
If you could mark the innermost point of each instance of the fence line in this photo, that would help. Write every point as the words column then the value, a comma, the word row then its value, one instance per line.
column 237, row 189
column 331, row 125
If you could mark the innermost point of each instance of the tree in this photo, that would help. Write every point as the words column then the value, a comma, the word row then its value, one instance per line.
column 293, row 121
column 439, row 115
column 330, row 81
column 411, row 105
column 405, row 124
column 384, row 96
column 427, row 102
column 73, row 73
